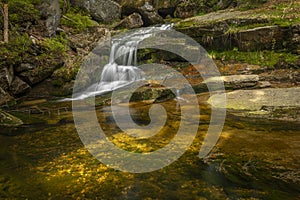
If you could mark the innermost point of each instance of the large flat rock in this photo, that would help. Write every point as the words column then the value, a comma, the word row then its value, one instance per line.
column 272, row 104
column 255, row 100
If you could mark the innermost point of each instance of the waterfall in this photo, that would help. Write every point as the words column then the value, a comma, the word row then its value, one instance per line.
column 122, row 69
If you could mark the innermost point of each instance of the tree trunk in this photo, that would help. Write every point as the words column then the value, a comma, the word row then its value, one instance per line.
column 5, row 9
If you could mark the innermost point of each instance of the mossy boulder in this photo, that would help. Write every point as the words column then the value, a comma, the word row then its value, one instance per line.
column 153, row 93
column 244, row 30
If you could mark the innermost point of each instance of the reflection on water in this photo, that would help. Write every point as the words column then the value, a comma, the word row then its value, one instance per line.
column 46, row 159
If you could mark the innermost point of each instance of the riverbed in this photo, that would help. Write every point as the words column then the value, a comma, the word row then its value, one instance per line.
column 45, row 158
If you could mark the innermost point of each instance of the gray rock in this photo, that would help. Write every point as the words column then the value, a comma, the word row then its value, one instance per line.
column 150, row 15
column 6, row 77
column 24, row 67
column 272, row 103
column 264, row 84
column 235, row 81
column 100, row 10
column 132, row 21
column 18, row 87
column 232, row 82
column 255, row 100
column 50, row 10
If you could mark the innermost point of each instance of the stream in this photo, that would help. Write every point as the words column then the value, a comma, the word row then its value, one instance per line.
column 45, row 158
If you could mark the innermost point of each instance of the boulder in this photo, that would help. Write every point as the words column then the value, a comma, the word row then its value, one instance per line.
column 150, row 15
column 132, row 21
column 224, row 30
column 100, row 10
column 23, row 67
column 158, row 94
column 50, row 10
column 165, row 7
column 40, row 73
column 18, row 87
column 184, row 10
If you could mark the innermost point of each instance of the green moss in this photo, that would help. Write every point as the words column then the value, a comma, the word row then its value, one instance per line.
column 23, row 11
column 263, row 58
column 55, row 46
column 78, row 20
column 14, row 51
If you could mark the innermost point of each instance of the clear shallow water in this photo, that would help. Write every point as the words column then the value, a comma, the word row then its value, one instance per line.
column 45, row 159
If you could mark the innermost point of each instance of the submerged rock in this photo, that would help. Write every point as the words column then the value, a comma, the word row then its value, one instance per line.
column 7, row 120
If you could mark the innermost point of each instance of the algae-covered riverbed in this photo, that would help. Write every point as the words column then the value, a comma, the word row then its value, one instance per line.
column 45, row 159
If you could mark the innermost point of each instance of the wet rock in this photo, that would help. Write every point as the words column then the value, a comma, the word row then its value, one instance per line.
column 7, row 120
column 235, row 81
column 156, row 93
column 19, row 87
column 149, row 15
column 6, row 77
column 132, row 21
column 50, row 10
column 100, row 10
column 232, row 82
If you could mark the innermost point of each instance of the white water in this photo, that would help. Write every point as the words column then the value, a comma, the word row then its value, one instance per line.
column 122, row 68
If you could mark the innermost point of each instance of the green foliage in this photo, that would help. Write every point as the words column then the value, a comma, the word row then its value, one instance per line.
column 263, row 58
column 23, row 11
column 14, row 51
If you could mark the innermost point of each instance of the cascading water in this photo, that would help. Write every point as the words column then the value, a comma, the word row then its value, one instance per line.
column 122, row 68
